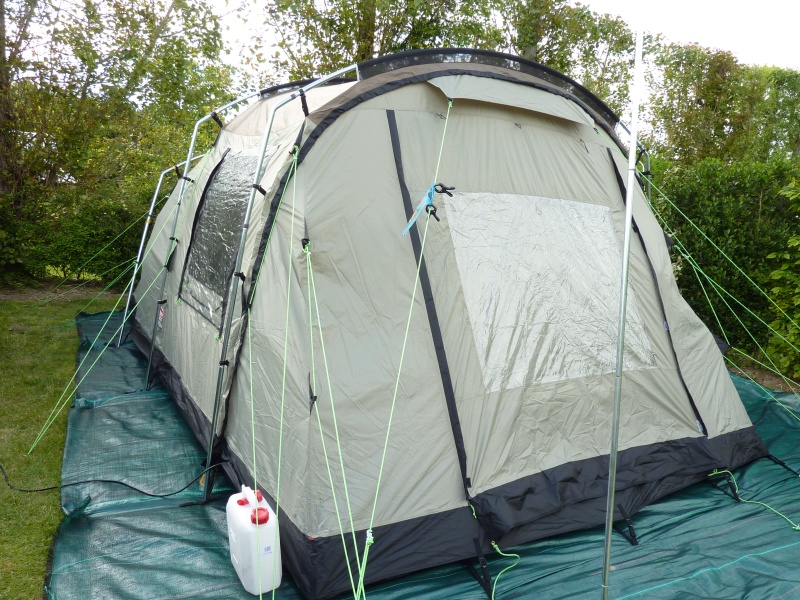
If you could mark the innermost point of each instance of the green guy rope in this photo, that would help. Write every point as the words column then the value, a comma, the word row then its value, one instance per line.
column 309, row 285
column 59, row 406
column 253, row 435
column 761, row 364
column 717, row 473
column 718, row 249
column 703, row 234
column 764, row 389
column 98, row 253
column 508, row 568
column 62, row 401
column 335, row 421
column 370, row 540
column 717, row 289
column 88, row 281
column 285, row 355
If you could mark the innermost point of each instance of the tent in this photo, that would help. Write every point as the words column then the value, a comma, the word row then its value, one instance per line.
column 401, row 318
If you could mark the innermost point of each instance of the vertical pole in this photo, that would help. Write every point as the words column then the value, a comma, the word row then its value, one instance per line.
column 626, row 251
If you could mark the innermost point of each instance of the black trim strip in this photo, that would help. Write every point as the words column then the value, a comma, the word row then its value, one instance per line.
column 430, row 306
column 623, row 193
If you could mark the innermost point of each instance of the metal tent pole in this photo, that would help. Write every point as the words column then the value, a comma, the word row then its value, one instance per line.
column 138, row 262
column 184, row 178
column 263, row 161
column 626, row 252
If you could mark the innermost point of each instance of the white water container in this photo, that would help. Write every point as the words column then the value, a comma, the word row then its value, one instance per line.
column 254, row 540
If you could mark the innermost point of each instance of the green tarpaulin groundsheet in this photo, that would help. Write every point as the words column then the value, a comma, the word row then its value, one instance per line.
column 119, row 431
column 698, row 543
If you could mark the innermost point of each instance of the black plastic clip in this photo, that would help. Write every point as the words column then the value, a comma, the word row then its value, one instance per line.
column 311, row 396
column 224, row 363
column 164, row 301
column 630, row 535
column 731, row 485
column 431, row 210
column 305, row 242
column 240, row 275
column 217, row 120
column 187, row 178
column 443, row 189
column 256, row 186
column 174, row 239
column 303, row 102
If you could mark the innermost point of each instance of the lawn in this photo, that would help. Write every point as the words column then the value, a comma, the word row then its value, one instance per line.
column 38, row 344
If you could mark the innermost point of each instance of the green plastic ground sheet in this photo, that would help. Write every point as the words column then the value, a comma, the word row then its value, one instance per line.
column 698, row 543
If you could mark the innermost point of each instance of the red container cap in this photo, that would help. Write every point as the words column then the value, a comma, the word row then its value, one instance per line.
column 242, row 501
column 259, row 497
column 259, row 516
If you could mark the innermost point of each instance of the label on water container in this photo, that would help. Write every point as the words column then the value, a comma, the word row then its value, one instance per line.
column 266, row 550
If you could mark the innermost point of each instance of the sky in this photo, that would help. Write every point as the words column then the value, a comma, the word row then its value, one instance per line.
column 766, row 32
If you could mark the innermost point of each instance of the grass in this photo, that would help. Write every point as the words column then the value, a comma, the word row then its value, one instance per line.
column 38, row 345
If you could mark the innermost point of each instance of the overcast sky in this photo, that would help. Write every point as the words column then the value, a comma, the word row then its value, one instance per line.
column 766, row 32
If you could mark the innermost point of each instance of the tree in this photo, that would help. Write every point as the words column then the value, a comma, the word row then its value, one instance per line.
column 315, row 39
column 595, row 49
column 95, row 97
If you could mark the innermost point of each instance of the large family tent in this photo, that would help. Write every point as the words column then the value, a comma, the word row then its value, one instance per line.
column 413, row 351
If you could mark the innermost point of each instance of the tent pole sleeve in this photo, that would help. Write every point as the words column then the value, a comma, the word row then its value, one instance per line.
column 138, row 263
column 626, row 251
column 263, row 161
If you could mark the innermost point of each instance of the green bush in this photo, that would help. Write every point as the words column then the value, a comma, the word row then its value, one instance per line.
column 786, row 291
column 741, row 208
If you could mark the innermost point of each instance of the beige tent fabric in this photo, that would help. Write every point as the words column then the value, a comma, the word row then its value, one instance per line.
column 464, row 87
column 532, row 374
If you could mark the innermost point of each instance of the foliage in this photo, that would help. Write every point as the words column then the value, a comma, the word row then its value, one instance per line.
column 595, row 49
column 705, row 104
column 314, row 38
column 741, row 208
column 786, row 290
column 95, row 99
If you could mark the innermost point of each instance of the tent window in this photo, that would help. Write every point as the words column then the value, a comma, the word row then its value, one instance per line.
column 215, row 240
column 540, row 278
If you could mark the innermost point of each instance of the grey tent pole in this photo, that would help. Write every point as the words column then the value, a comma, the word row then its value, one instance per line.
column 184, row 178
column 263, row 161
column 138, row 262
column 626, row 254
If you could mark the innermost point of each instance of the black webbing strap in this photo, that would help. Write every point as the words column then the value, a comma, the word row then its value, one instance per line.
column 430, row 306
column 217, row 120
column 303, row 102
column 483, row 578
column 631, row 533
column 623, row 193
